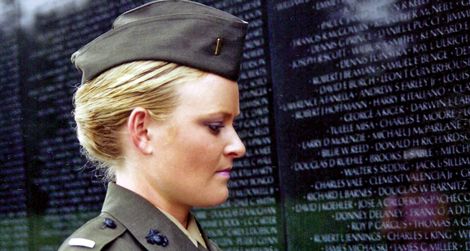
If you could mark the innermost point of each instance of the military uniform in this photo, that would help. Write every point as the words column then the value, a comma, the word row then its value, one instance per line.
column 129, row 222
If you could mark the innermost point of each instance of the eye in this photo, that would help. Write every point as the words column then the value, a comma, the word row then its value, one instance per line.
column 215, row 127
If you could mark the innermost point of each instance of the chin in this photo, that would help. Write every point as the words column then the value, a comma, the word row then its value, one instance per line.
column 215, row 199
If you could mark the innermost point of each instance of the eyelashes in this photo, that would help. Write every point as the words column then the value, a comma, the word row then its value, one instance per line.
column 215, row 127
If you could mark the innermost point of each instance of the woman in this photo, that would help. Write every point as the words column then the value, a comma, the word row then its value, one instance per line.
column 155, row 111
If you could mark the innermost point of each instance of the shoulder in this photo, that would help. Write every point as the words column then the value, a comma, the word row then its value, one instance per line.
column 96, row 234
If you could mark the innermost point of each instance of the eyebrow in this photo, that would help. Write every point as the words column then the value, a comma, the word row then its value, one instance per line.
column 225, row 114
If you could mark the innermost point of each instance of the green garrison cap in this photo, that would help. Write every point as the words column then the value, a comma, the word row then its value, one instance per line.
column 177, row 31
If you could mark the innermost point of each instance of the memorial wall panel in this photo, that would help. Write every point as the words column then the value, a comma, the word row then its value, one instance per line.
column 65, row 190
column 13, row 195
column 371, row 101
column 354, row 114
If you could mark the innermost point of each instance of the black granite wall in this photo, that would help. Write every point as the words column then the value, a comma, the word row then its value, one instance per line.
column 354, row 114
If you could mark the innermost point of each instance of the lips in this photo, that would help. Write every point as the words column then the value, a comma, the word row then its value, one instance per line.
column 224, row 172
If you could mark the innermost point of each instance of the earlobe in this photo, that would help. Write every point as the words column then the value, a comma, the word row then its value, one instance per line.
column 137, row 125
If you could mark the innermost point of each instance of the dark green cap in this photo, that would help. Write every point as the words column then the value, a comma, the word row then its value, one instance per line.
column 177, row 31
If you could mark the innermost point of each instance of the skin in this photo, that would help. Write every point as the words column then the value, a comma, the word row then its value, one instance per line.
column 183, row 161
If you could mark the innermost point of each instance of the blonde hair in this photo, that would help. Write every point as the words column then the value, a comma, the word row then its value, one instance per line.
column 103, row 104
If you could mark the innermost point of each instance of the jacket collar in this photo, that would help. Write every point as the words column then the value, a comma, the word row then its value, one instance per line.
column 139, row 216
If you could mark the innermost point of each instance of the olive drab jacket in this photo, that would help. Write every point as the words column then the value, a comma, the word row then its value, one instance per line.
column 129, row 222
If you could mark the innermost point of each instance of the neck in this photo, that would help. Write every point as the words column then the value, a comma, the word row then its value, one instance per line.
column 151, row 194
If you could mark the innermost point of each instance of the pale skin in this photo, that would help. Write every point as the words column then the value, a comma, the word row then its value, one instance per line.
column 185, row 160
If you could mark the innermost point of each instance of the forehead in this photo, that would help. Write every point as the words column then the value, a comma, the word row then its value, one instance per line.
column 209, row 94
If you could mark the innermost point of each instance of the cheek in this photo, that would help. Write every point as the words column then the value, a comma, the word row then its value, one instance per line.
column 200, row 150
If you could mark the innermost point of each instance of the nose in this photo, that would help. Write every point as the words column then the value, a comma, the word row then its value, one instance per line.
column 235, row 148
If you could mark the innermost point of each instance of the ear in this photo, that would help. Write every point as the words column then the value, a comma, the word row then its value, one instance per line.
column 137, row 126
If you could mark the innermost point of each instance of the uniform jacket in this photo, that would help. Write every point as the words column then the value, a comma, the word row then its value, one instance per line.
column 124, row 223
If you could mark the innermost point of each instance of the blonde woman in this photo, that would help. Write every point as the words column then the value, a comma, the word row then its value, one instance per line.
column 155, row 111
